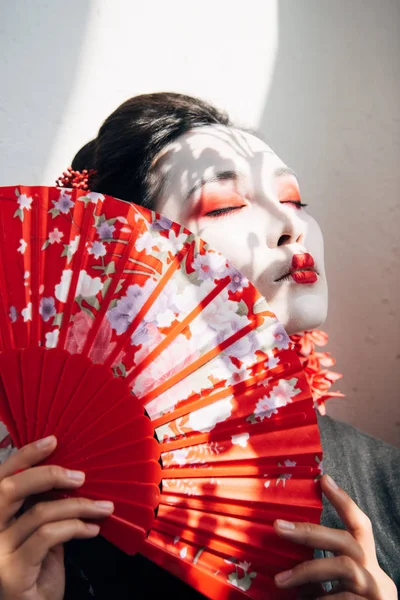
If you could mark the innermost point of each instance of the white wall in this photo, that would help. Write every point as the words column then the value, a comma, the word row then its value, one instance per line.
column 318, row 78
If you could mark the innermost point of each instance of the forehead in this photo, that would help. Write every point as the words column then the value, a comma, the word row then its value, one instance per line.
column 207, row 149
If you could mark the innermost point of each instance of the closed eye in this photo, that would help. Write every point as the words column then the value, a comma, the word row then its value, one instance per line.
column 218, row 212
column 295, row 203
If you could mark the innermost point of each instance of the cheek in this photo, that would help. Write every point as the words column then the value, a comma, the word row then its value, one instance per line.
column 314, row 241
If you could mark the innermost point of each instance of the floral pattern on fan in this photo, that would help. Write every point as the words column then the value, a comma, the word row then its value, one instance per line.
column 198, row 347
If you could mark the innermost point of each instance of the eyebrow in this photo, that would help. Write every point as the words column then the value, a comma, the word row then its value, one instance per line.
column 219, row 176
column 285, row 171
column 233, row 176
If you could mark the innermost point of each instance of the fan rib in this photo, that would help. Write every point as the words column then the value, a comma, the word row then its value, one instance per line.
column 166, row 385
column 7, row 333
column 147, row 305
column 110, row 292
column 78, row 258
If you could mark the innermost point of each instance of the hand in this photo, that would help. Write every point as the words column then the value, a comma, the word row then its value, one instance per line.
column 355, row 565
column 31, row 551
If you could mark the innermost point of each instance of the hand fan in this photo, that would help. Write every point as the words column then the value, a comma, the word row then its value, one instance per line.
column 165, row 377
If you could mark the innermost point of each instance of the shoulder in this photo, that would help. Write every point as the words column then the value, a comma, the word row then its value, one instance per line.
column 345, row 443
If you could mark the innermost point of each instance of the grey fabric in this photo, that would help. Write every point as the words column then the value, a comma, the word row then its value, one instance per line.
column 368, row 469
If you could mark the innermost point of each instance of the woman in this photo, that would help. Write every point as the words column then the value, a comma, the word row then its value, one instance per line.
column 183, row 158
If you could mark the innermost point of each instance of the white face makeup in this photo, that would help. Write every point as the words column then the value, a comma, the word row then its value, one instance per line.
column 231, row 189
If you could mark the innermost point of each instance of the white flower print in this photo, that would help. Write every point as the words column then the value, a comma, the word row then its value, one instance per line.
column 55, row 236
column 241, row 439
column 27, row 312
column 62, row 288
column 174, row 243
column 209, row 266
column 23, row 246
column 145, row 242
column 86, row 287
column 206, row 418
column 25, row 201
column 98, row 249
column 73, row 246
column 52, row 338
column 179, row 457
column 94, row 197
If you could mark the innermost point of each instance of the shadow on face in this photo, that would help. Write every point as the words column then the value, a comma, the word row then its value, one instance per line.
column 230, row 188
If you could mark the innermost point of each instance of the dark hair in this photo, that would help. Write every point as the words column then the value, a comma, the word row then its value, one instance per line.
column 132, row 136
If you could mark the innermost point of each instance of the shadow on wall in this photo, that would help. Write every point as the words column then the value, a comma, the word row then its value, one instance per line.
column 332, row 115
column 41, row 46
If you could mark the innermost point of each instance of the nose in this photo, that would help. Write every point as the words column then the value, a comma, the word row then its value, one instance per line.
column 286, row 229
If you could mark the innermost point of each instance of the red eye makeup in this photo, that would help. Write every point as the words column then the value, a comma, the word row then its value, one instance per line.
column 216, row 199
column 288, row 191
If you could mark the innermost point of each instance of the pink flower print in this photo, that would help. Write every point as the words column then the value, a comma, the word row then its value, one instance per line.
column 105, row 231
column 64, row 203
column 281, row 338
column 47, row 308
column 238, row 280
column 279, row 396
column 98, row 249
column 77, row 332
column 209, row 266
column 55, row 236
column 174, row 359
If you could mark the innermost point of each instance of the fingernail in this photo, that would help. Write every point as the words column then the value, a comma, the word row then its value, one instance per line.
column 285, row 524
column 284, row 576
column 104, row 505
column 332, row 484
column 75, row 476
column 93, row 529
column 45, row 442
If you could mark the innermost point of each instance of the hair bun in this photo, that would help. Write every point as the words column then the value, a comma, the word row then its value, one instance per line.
column 86, row 157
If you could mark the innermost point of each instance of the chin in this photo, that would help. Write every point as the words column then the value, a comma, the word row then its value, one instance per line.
column 303, row 312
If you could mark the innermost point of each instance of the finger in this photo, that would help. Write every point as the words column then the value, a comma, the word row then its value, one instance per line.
column 28, row 456
column 351, row 575
column 318, row 536
column 14, row 489
column 35, row 549
column 355, row 520
column 310, row 591
column 48, row 512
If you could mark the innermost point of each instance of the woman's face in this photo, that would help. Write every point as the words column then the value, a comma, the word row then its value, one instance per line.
column 231, row 189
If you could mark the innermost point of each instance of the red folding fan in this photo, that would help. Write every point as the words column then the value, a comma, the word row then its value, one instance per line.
column 165, row 377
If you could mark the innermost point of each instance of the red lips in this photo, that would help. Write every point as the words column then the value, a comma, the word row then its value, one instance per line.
column 307, row 274
column 301, row 261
